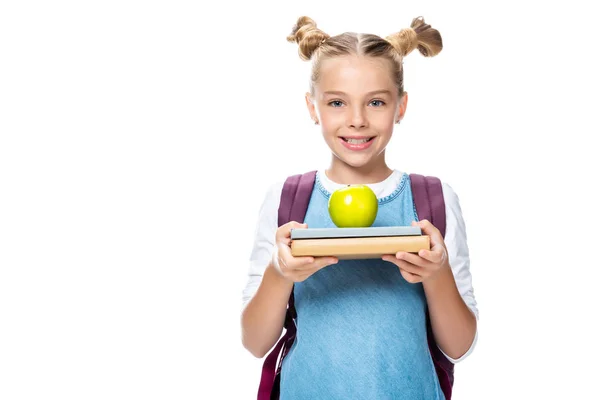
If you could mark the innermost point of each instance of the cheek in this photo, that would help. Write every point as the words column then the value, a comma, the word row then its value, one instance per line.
column 390, row 119
column 384, row 125
column 332, row 122
column 332, row 117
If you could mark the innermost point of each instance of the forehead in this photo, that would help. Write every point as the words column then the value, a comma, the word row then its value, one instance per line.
column 355, row 74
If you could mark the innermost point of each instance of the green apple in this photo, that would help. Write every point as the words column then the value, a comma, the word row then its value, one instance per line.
column 353, row 206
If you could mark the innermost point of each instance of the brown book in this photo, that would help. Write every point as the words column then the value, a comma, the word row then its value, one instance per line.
column 359, row 247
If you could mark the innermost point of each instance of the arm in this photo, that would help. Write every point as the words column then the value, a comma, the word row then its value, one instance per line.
column 458, row 256
column 266, row 293
column 262, row 318
column 454, row 325
column 451, row 302
column 444, row 272
column 264, row 315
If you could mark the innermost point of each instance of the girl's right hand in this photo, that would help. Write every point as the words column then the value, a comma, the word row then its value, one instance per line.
column 295, row 269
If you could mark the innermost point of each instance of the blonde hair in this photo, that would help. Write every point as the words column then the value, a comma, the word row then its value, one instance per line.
column 315, row 45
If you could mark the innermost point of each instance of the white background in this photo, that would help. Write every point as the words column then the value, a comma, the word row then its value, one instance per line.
column 129, row 193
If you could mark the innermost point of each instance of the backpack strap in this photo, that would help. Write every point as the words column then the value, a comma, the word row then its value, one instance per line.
column 429, row 200
column 429, row 203
column 293, row 204
column 295, row 196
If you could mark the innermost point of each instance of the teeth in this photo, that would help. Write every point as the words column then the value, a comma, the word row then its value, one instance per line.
column 357, row 141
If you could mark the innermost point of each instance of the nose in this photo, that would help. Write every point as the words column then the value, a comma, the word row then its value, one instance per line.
column 357, row 118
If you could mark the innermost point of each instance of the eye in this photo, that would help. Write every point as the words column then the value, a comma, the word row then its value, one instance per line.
column 377, row 103
column 335, row 103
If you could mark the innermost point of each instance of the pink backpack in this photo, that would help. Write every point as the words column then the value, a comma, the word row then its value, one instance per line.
column 295, row 196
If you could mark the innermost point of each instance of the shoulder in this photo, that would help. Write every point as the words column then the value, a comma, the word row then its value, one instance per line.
column 271, row 199
column 274, row 191
column 450, row 197
column 451, row 200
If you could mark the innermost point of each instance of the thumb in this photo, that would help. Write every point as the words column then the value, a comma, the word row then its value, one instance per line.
column 296, row 225
column 419, row 224
column 284, row 231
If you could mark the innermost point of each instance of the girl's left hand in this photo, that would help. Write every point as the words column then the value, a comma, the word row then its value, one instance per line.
column 427, row 264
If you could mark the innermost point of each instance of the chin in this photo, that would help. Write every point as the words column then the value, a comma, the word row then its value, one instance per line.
column 355, row 161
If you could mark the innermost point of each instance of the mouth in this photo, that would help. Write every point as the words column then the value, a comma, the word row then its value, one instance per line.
column 357, row 143
column 357, row 140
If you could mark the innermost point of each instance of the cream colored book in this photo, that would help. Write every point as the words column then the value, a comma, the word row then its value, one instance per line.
column 359, row 247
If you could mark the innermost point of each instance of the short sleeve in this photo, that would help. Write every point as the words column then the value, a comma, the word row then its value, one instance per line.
column 264, row 241
column 458, row 254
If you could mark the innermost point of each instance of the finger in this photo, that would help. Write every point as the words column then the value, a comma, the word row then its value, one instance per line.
column 314, row 269
column 433, row 256
column 427, row 228
column 322, row 262
column 291, row 262
column 304, row 273
column 410, row 278
column 297, row 263
column 413, row 259
column 390, row 258
column 404, row 265
column 315, row 265
column 286, row 241
column 285, row 231
column 294, row 225
column 413, row 269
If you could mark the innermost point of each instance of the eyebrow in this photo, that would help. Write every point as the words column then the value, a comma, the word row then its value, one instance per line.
column 338, row 93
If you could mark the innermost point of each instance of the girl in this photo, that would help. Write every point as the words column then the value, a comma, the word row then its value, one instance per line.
column 361, row 324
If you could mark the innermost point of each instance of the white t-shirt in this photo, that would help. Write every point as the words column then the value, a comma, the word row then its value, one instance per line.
column 455, row 239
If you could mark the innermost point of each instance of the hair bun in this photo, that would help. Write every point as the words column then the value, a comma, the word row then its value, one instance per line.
column 405, row 41
column 419, row 36
column 308, row 37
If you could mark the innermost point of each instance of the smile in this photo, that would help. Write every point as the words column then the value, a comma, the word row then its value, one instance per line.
column 357, row 143
column 358, row 140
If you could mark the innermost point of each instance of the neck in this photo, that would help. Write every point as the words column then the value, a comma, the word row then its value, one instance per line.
column 346, row 174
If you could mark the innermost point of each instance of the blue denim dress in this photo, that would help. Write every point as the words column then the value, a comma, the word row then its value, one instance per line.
column 361, row 326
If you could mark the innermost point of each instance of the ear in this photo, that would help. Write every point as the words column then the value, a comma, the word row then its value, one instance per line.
column 401, row 108
column 311, row 107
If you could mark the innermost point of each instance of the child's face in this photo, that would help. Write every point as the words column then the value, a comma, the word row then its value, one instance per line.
column 356, row 103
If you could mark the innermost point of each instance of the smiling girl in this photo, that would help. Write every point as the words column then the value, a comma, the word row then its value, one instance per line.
column 361, row 324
